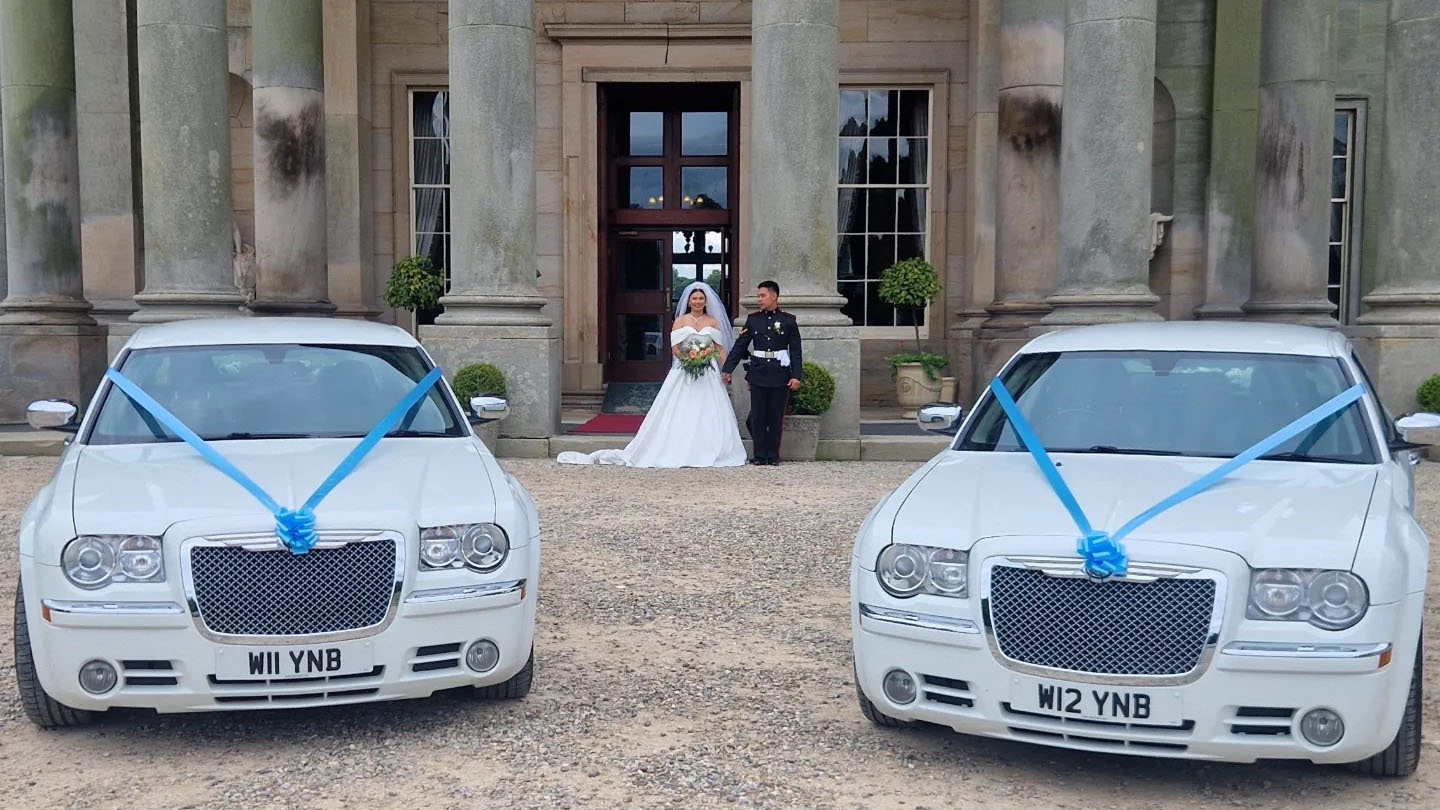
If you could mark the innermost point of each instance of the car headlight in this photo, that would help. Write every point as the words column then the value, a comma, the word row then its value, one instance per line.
column 96, row 560
column 479, row 546
column 1331, row 600
column 905, row 570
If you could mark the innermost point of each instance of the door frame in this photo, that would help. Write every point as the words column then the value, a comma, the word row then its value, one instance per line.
column 615, row 98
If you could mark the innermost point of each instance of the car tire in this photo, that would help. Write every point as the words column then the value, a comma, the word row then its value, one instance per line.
column 1402, row 756
column 873, row 713
column 43, row 710
column 517, row 687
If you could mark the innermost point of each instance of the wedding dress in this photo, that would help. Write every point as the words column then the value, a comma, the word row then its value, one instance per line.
column 691, row 424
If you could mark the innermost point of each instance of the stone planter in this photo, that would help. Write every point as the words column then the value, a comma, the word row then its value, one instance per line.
column 914, row 388
column 947, row 389
column 489, row 434
column 800, row 437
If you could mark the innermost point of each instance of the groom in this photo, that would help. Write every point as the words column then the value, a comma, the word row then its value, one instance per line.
column 771, row 339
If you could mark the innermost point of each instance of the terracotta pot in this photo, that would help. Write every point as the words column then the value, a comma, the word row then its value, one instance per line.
column 914, row 388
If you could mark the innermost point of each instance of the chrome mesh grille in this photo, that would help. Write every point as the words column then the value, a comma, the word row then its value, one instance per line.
column 277, row 593
column 1105, row 628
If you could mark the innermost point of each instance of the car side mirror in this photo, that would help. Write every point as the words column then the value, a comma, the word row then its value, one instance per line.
column 488, row 408
column 53, row 414
column 1417, row 432
column 940, row 417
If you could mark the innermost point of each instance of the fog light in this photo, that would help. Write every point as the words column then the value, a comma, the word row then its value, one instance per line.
column 899, row 687
column 1322, row 727
column 98, row 677
column 482, row 656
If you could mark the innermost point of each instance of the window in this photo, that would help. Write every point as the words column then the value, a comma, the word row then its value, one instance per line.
column 1346, row 173
column 883, row 195
column 430, row 182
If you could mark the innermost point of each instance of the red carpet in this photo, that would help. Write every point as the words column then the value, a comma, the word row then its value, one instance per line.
column 612, row 423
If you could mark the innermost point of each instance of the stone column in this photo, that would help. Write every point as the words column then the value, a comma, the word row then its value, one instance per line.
column 185, row 154
column 974, row 283
column 1292, row 163
column 109, row 182
column 290, row 226
column 1401, row 329
column 793, row 173
column 1027, row 215
column 1107, row 119
column 494, row 312
column 349, row 205
column 49, row 345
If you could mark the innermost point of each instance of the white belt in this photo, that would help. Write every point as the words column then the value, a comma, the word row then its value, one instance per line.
column 782, row 355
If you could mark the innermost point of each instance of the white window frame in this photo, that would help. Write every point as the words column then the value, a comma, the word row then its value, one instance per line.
column 1354, row 202
column 929, row 187
column 411, row 185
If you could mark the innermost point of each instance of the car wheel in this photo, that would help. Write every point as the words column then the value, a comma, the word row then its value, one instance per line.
column 873, row 713
column 43, row 710
column 1402, row 757
column 517, row 687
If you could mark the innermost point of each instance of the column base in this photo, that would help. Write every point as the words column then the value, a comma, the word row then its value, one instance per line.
column 492, row 310
column 163, row 307
column 1401, row 306
column 1301, row 313
column 1087, row 309
column 528, row 356
column 1399, row 358
column 49, row 310
column 1015, row 314
column 41, row 361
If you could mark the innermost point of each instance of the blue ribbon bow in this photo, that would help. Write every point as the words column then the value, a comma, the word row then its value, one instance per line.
column 1103, row 554
column 295, row 528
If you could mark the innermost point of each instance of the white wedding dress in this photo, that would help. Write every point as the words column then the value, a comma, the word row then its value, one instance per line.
column 691, row 423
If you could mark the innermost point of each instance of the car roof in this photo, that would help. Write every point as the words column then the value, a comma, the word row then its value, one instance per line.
column 1194, row 336
column 241, row 330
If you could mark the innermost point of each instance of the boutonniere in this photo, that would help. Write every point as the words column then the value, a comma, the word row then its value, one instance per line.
column 779, row 327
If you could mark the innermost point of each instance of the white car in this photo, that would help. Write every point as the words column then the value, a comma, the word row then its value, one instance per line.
column 151, row 578
column 1275, row 615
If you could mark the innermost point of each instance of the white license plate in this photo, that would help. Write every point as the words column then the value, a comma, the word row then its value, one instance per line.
column 279, row 663
column 1151, row 707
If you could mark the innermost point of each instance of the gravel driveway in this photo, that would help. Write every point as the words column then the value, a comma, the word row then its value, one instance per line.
column 693, row 651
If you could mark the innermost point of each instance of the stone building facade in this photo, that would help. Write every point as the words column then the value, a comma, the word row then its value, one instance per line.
column 1060, row 162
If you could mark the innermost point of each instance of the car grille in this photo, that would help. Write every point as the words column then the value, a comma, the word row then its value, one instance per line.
column 1157, row 628
column 276, row 593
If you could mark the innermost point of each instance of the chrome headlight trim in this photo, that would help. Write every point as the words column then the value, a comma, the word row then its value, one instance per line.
column 95, row 561
column 934, row 571
column 1329, row 599
column 482, row 547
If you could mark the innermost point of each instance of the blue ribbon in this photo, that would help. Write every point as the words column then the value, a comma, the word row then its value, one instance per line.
column 294, row 527
column 1104, row 556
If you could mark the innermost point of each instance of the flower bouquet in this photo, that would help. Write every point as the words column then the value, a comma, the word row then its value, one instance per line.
column 697, row 354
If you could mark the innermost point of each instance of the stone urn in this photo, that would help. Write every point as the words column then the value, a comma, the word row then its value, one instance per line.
column 914, row 388
column 800, row 437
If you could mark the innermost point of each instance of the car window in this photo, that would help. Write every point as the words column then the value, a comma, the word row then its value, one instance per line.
column 1174, row 403
column 1392, row 433
column 267, row 391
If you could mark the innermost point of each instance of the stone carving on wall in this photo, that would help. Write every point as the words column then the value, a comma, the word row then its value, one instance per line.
column 1157, row 231
column 244, row 268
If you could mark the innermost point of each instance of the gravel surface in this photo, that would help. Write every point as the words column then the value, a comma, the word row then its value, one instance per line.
column 693, row 651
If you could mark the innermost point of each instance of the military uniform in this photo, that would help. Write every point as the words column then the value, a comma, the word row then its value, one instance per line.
column 772, row 342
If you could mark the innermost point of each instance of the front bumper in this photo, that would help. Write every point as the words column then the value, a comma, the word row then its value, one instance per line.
column 166, row 663
column 1245, row 704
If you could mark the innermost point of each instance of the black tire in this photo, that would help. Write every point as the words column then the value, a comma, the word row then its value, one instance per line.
column 517, row 687
column 1402, row 757
column 43, row 710
column 873, row 713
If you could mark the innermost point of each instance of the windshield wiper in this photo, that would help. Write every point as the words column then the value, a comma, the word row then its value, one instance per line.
column 1111, row 449
column 242, row 435
column 410, row 433
column 1294, row 456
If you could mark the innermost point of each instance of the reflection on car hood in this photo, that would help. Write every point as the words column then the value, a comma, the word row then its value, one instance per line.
column 1268, row 512
column 144, row 489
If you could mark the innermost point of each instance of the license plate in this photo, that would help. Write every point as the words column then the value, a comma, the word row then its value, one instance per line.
column 1094, row 702
column 280, row 663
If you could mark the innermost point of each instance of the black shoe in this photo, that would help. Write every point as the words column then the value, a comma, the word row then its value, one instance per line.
column 755, row 461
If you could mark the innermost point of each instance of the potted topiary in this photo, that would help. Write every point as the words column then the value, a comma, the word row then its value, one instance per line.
column 912, row 284
column 475, row 380
column 415, row 284
column 801, row 434
column 1429, row 395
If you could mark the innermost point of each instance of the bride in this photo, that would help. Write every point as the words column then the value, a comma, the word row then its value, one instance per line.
column 691, row 423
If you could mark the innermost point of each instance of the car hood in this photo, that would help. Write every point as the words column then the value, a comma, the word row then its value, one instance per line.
column 146, row 489
column 1268, row 512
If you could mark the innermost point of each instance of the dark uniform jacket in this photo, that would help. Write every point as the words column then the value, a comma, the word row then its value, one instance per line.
column 769, row 332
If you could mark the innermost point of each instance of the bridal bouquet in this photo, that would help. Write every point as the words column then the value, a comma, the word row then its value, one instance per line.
column 696, row 355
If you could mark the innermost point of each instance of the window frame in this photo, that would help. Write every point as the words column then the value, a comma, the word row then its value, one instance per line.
column 932, row 188
column 411, row 185
column 1350, row 296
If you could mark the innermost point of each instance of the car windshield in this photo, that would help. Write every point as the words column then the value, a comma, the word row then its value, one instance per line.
column 272, row 391
column 1174, row 403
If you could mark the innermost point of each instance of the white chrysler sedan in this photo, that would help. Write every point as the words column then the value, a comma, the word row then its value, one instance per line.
column 153, row 575
column 1064, row 597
